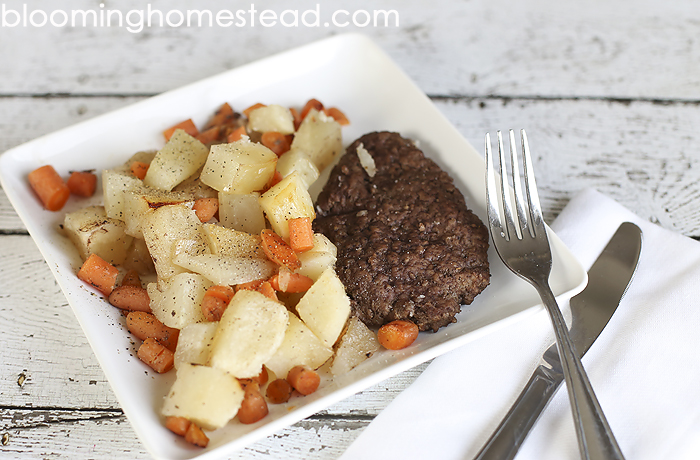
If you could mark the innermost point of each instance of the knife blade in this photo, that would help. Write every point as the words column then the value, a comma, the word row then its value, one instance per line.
column 591, row 310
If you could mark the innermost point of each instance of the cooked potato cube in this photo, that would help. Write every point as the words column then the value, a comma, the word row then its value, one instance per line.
column 320, row 137
column 287, row 200
column 92, row 232
column 178, row 302
column 318, row 259
column 115, row 184
column 145, row 156
column 296, row 160
column 179, row 158
column 356, row 345
column 300, row 347
column 230, row 242
column 138, row 258
column 271, row 118
column 194, row 343
column 241, row 212
column 163, row 229
column 249, row 333
column 226, row 270
column 325, row 307
column 138, row 204
column 239, row 167
column 193, row 186
column 204, row 395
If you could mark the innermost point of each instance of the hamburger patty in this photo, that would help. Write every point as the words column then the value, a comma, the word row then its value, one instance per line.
column 408, row 247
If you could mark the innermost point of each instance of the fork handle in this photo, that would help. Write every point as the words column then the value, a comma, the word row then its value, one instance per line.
column 595, row 438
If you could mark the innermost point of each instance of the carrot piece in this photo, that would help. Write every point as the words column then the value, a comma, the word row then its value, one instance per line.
column 260, row 379
column 145, row 325
column 278, row 251
column 131, row 298
column 187, row 125
column 221, row 116
column 196, row 436
column 277, row 142
column 303, row 379
column 237, row 134
column 249, row 286
column 286, row 281
column 131, row 278
column 253, row 407
column 337, row 115
column 159, row 358
column 209, row 136
column 397, row 334
column 267, row 290
column 177, row 425
column 311, row 104
column 297, row 117
column 205, row 208
column 301, row 234
column 139, row 169
column 82, row 183
column 99, row 273
column 253, row 107
column 224, row 293
column 50, row 187
column 215, row 301
column 279, row 391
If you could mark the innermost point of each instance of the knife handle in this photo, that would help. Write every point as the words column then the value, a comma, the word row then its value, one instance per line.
column 505, row 442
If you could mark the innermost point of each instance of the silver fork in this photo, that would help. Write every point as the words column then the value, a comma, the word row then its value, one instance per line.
column 523, row 246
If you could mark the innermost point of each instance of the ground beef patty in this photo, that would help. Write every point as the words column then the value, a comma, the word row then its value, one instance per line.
column 408, row 247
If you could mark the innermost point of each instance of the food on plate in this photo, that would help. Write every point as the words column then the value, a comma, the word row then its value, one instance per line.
column 99, row 273
column 50, row 187
column 408, row 247
column 82, row 183
column 397, row 334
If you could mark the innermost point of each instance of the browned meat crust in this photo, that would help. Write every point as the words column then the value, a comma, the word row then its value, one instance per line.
column 408, row 247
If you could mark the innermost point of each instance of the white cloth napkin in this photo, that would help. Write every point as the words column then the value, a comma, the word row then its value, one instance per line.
column 645, row 365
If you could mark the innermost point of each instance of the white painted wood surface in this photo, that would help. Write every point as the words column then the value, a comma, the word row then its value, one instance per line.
column 608, row 91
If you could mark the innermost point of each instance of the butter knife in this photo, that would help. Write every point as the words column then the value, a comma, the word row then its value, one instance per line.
column 591, row 310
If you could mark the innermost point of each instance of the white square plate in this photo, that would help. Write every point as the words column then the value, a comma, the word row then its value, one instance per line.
column 347, row 71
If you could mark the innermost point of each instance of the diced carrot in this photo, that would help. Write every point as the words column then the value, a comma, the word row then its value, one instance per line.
column 337, row 115
column 278, row 251
column 249, row 286
column 267, row 290
column 209, row 136
column 277, row 142
column 99, row 273
column 159, row 358
column 301, row 234
column 252, row 107
column 177, row 425
column 205, row 208
column 52, row 190
column 131, row 278
column 303, row 379
column 297, row 117
column 254, row 407
column 145, row 325
column 130, row 298
column 397, row 334
column 139, row 169
column 311, row 104
column 221, row 116
column 82, row 183
column 260, row 379
column 279, row 391
column 215, row 301
column 286, row 281
column 237, row 134
column 187, row 125
column 196, row 436
column 274, row 180
column 224, row 293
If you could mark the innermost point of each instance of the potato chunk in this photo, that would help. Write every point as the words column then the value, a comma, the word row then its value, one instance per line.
column 299, row 161
column 300, row 347
column 320, row 137
column 241, row 212
column 250, row 331
column 319, row 258
column 239, row 167
column 230, row 242
column 92, row 232
column 356, row 345
column 287, row 200
column 226, row 270
column 325, row 307
column 179, row 301
column 179, row 158
column 194, row 343
column 271, row 118
column 207, row 396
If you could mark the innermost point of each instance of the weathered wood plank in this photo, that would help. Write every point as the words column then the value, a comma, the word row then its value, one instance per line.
column 477, row 47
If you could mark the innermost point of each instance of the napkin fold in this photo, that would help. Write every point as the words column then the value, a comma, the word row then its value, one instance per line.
column 644, row 367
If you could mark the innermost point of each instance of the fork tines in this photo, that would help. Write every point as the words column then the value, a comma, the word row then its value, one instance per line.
column 508, row 197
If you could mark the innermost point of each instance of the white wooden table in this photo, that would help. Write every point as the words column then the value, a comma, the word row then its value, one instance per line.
column 608, row 91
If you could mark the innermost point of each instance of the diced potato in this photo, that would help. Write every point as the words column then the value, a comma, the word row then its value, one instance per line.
column 179, row 302
column 194, row 343
column 193, row 186
column 300, row 347
column 179, row 158
column 271, row 118
column 92, row 232
column 250, row 331
column 287, row 200
column 226, row 270
column 356, row 345
column 115, row 184
column 204, row 395
column 230, row 242
column 318, row 259
column 138, row 204
column 163, row 229
column 239, row 167
column 325, row 307
column 296, row 160
column 145, row 156
column 320, row 137
column 138, row 258
column 241, row 212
